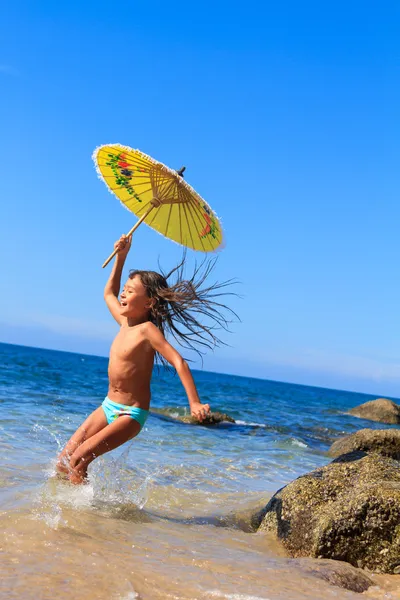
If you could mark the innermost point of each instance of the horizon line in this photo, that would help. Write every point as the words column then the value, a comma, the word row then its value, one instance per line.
column 204, row 371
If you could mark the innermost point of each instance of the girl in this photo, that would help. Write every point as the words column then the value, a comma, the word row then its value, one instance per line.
column 148, row 306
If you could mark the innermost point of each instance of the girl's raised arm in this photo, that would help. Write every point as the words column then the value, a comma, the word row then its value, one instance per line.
column 113, row 284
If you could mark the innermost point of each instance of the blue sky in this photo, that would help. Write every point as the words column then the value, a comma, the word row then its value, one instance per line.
column 286, row 117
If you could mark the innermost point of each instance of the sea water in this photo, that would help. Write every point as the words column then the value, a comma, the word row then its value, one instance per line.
column 166, row 515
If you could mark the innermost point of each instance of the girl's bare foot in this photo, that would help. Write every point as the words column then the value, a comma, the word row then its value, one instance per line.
column 62, row 469
column 77, row 477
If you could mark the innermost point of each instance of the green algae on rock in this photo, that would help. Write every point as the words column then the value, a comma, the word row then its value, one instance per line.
column 212, row 419
column 383, row 441
column 348, row 510
column 174, row 414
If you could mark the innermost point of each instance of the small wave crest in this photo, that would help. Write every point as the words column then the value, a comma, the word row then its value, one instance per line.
column 238, row 422
column 290, row 442
column 296, row 442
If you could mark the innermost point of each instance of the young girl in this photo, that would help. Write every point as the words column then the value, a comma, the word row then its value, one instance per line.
column 147, row 307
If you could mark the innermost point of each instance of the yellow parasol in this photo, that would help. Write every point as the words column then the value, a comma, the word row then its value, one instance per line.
column 159, row 196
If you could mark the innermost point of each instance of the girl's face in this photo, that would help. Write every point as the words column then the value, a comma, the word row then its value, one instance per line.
column 134, row 299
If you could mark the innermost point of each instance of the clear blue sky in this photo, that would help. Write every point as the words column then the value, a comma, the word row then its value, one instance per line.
column 287, row 118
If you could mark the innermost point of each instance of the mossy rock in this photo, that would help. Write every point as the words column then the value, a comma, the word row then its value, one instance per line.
column 381, row 410
column 348, row 510
column 212, row 419
column 171, row 413
column 384, row 441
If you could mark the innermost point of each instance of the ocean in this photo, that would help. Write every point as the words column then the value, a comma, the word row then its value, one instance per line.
column 167, row 515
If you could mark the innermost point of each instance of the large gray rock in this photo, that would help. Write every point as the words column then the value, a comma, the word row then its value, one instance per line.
column 384, row 441
column 348, row 510
column 381, row 410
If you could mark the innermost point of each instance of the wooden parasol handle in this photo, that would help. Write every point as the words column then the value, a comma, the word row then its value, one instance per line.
column 155, row 202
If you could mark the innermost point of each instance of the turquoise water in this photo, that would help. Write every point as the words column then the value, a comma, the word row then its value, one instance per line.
column 172, row 472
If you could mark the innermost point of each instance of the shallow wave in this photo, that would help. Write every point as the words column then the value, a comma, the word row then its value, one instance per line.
column 238, row 422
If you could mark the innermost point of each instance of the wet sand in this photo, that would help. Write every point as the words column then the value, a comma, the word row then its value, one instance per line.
column 64, row 543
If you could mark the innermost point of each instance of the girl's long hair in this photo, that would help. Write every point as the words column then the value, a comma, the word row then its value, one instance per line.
column 180, row 308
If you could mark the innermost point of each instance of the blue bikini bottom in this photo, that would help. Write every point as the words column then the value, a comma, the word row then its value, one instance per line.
column 113, row 410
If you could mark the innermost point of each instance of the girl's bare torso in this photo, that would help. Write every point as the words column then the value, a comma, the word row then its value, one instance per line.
column 130, row 367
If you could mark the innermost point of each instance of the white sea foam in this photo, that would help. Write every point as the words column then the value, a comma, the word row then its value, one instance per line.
column 297, row 442
column 55, row 495
column 79, row 496
column 238, row 422
column 217, row 594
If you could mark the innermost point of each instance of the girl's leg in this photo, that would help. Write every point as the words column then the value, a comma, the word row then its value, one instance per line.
column 93, row 424
column 120, row 431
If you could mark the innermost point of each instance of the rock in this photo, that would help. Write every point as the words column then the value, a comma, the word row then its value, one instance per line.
column 212, row 419
column 335, row 572
column 172, row 414
column 381, row 410
column 384, row 441
column 348, row 510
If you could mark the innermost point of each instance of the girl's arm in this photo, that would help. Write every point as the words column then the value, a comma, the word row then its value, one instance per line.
column 160, row 344
column 113, row 284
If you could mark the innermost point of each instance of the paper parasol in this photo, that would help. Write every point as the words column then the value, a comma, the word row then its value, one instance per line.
column 159, row 196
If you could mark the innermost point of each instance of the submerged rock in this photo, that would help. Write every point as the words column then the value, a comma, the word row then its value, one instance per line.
column 172, row 413
column 348, row 510
column 212, row 419
column 381, row 410
column 384, row 441
column 335, row 572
